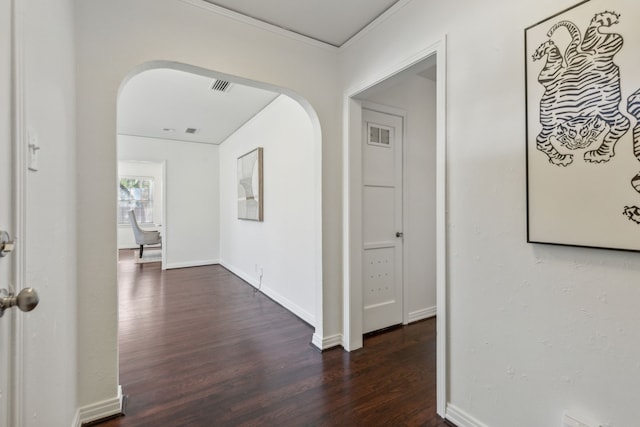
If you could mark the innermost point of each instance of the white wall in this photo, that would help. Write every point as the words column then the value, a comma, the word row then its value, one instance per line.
column 126, row 239
column 191, row 227
column 50, row 334
column 416, row 96
column 282, row 247
column 117, row 36
column 532, row 329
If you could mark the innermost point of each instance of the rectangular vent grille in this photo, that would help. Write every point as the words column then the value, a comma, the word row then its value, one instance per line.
column 379, row 135
column 220, row 86
column 191, row 130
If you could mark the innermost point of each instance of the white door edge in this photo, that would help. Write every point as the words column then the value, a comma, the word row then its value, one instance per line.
column 19, row 196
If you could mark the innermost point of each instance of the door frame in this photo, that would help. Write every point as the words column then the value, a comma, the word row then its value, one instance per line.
column 352, row 210
column 164, row 227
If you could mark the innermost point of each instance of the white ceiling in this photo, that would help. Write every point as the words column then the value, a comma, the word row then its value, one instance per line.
column 329, row 21
column 163, row 103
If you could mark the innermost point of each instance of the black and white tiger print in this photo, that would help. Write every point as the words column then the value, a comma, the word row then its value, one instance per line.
column 633, row 106
column 633, row 213
column 585, row 83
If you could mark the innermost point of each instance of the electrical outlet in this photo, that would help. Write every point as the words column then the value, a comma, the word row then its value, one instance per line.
column 571, row 421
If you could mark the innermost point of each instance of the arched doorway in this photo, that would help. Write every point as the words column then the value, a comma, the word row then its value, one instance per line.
column 259, row 267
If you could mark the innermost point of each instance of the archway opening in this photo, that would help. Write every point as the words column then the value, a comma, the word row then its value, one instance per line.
column 281, row 255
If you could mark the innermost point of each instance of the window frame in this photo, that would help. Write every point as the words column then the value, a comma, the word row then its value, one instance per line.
column 122, row 217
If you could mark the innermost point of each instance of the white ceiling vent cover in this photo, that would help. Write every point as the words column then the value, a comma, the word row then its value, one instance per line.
column 221, row 86
column 191, row 130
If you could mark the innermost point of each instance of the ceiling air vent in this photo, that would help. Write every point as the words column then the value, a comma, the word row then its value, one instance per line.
column 191, row 130
column 220, row 86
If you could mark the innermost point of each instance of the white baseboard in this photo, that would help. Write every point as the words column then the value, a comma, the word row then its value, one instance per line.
column 327, row 342
column 97, row 411
column 425, row 313
column 186, row 264
column 280, row 299
column 461, row 418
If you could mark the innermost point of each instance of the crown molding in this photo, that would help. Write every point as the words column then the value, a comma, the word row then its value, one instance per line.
column 375, row 23
column 260, row 24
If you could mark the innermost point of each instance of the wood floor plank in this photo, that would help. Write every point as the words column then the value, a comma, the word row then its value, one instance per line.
column 198, row 347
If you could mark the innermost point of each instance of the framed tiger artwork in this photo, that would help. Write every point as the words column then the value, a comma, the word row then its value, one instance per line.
column 582, row 78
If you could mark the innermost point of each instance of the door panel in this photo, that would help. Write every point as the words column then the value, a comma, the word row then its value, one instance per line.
column 379, row 214
column 382, row 219
column 379, row 291
column 379, row 161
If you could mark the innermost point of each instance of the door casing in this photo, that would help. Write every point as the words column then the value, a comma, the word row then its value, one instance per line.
column 352, row 213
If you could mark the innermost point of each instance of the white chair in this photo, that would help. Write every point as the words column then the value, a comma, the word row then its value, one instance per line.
column 143, row 237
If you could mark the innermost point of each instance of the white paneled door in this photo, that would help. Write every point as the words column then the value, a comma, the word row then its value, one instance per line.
column 382, row 220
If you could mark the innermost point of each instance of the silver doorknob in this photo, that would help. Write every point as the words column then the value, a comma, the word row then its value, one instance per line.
column 399, row 234
column 26, row 300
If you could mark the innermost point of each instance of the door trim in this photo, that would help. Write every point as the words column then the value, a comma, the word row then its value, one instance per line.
column 19, row 198
column 164, row 215
column 352, row 211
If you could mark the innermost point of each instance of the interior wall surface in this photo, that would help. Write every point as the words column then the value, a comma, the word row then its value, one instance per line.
column 277, row 254
column 191, row 232
column 416, row 96
column 47, row 91
column 533, row 330
column 115, row 37
column 126, row 239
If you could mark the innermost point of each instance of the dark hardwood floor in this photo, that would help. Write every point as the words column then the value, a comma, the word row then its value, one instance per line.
column 199, row 348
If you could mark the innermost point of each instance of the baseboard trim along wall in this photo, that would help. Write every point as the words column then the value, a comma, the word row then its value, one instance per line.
column 327, row 342
column 461, row 418
column 100, row 410
column 280, row 299
column 425, row 313
column 187, row 264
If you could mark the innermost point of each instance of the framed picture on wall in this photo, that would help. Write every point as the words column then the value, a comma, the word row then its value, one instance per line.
column 583, row 137
column 250, row 187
